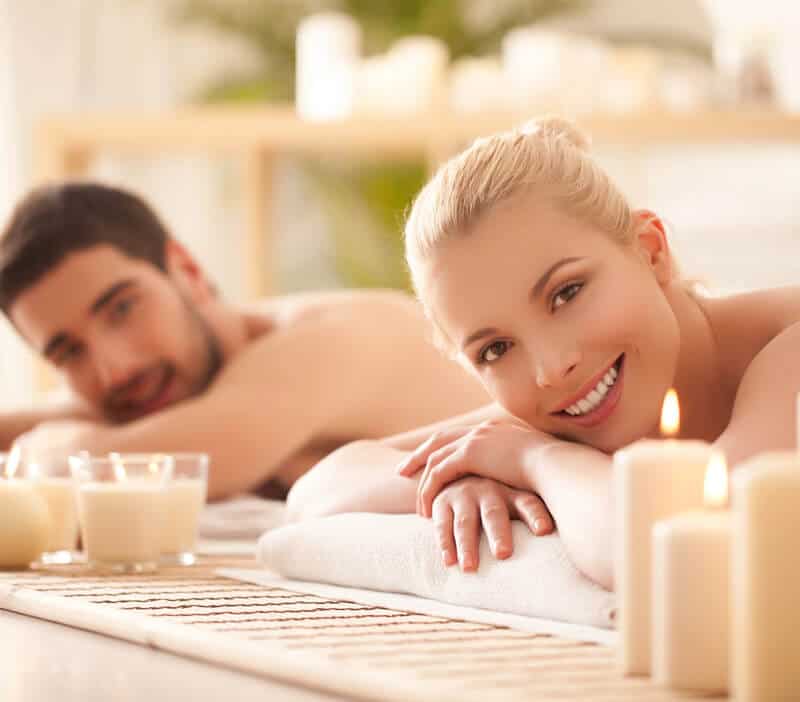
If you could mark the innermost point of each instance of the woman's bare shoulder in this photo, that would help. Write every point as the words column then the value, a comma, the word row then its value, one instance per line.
column 744, row 323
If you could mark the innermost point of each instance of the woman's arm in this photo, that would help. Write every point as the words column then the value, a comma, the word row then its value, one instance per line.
column 574, row 481
column 362, row 476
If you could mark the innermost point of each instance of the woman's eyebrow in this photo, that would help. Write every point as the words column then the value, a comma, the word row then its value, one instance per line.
column 537, row 288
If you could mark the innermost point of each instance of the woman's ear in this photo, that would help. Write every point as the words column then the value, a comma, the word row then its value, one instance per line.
column 187, row 273
column 651, row 245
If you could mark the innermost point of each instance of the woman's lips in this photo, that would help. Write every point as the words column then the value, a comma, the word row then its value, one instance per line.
column 604, row 410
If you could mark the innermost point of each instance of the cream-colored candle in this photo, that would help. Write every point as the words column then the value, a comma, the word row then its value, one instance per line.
column 59, row 494
column 184, row 501
column 24, row 519
column 691, row 583
column 765, row 579
column 122, row 523
column 653, row 480
column 121, row 502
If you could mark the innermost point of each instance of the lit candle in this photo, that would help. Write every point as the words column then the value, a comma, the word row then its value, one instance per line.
column 185, row 496
column 121, row 508
column 691, row 583
column 653, row 480
column 765, row 579
column 24, row 517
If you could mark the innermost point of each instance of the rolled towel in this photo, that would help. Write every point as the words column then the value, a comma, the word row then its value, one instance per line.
column 399, row 553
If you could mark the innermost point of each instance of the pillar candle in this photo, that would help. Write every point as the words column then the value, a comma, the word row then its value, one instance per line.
column 691, row 583
column 765, row 579
column 653, row 480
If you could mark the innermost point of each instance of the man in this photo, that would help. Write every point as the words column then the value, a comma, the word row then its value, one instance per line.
column 156, row 360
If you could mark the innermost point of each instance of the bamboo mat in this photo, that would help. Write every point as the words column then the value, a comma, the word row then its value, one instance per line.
column 335, row 645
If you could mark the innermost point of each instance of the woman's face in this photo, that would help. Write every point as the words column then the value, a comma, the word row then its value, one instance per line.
column 567, row 329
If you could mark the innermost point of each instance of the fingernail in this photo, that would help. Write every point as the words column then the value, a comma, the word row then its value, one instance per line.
column 502, row 551
column 448, row 559
column 468, row 563
column 538, row 526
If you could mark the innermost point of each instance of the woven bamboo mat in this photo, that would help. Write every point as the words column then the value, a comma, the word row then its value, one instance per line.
column 335, row 645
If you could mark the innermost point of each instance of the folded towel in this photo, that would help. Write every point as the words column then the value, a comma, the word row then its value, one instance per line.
column 399, row 553
column 245, row 517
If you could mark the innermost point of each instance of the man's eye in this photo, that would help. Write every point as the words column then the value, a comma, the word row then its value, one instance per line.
column 565, row 294
column 493, row 351
column 121, row 309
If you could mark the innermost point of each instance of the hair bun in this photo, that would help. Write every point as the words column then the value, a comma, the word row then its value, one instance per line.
column 557, row 128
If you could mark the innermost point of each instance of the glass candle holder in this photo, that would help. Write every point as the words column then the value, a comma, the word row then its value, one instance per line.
column 51, row 478
column 121, row 505
column 185, row 497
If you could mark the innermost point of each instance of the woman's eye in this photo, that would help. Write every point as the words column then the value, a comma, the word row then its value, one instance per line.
column 566, row 294
column 493, row 351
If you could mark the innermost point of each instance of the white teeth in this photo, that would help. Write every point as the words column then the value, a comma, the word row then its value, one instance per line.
column 595, row 397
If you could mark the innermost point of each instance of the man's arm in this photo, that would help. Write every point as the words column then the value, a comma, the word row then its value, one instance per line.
column 14, row 423
column 265, row 405
column 362, row 477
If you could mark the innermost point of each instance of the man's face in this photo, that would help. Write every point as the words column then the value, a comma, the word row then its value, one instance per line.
column 124, row 334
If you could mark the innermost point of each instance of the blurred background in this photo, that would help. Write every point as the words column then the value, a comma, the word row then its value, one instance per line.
column 336, row 221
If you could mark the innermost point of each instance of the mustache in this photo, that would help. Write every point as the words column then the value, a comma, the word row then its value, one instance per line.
column 123, row 398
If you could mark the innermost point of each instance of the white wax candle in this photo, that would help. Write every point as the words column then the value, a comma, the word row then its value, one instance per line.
column 24, row 524
column 121, row 522
column 765, row 579
column 328, row 50
column 653, row 480
column 59, row 494
column 691, row 583
column 184, row 499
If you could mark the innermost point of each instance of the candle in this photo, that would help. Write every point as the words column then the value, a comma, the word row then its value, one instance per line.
column 184, row 498
column 532, row 63
column 328, row 50
column 691, row 583
column 765, row 579
column 24, row 517
column 653, row 480
column 419, row 68
column 51, row 479
column 121, row 510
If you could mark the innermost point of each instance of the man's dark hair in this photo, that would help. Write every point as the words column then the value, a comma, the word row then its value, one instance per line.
column 52, row 222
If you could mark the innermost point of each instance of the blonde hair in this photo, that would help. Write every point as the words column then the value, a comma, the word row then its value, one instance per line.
column 549, row 155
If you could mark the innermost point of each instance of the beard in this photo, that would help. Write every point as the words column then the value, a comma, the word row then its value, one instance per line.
column 117, row 405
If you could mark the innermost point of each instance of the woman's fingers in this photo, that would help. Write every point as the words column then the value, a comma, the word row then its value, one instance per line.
column 434, row 459
column 418, row 458
column 467, row 531
column 531, row 509
column 440, row 472
column 497, row 525
column 443, row 521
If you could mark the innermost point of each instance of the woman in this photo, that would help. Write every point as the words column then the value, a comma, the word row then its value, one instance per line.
column 566, row 303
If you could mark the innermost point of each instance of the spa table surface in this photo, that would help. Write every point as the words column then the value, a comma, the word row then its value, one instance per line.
column 41, row 662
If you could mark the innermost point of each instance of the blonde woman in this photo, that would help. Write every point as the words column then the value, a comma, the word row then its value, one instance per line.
column 566, row 303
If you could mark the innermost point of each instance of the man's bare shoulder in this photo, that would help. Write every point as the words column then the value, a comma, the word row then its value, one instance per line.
column 329, row 307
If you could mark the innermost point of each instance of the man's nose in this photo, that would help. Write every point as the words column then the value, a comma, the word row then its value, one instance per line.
column 115, row 367
column 553, row 367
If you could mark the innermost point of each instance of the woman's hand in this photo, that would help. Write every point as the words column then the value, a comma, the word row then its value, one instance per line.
column 497, row 449
column 466, row 506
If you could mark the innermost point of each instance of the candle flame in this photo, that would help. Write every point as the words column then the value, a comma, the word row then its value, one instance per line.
column 119, row 468
column 670, row 414
column 13, row 461
column 716, row 484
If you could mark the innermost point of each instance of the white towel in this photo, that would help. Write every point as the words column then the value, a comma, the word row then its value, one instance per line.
column 399, row 553
column 244, row 517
